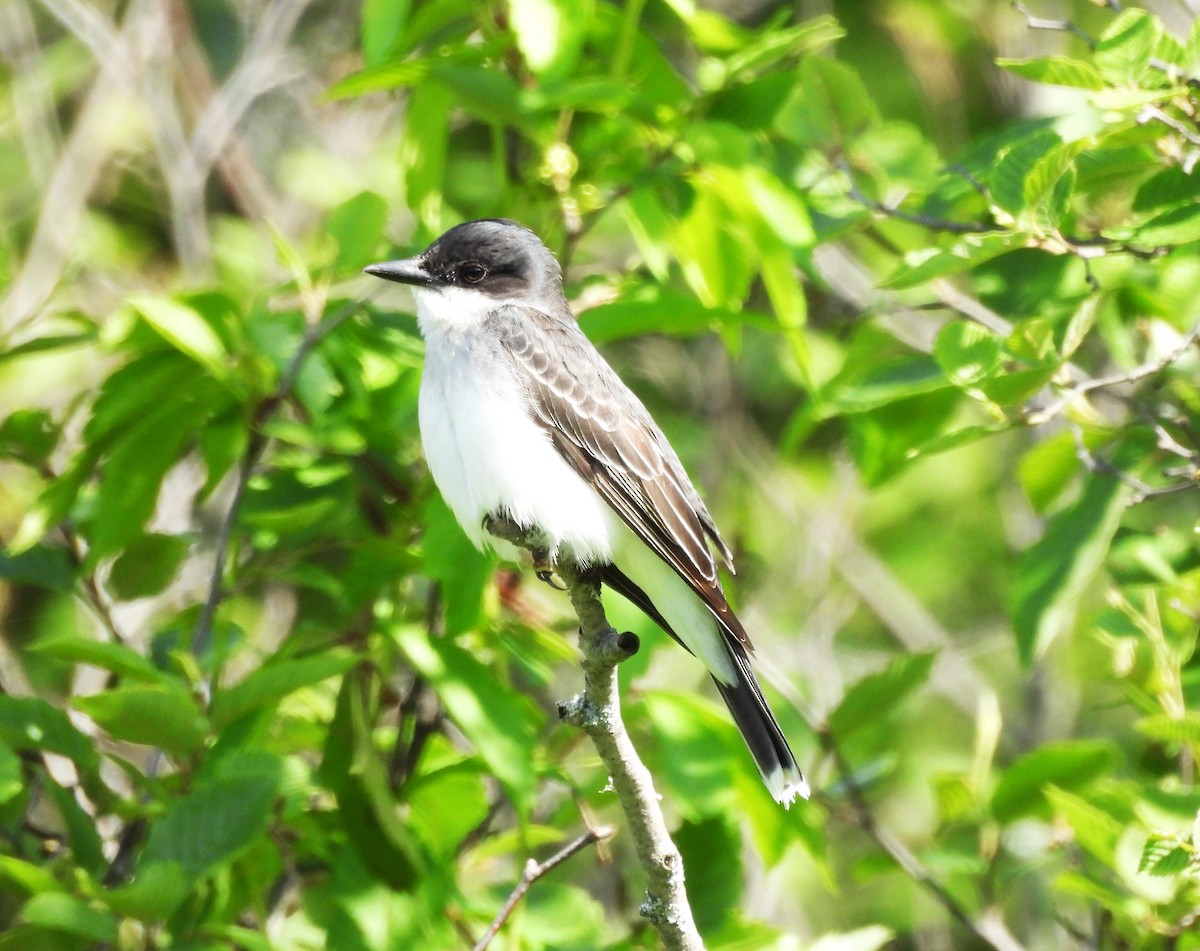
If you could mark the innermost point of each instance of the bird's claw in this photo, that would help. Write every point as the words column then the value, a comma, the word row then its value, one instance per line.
column 544, row 569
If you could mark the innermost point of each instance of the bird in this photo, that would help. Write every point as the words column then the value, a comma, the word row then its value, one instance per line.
column 521, row 417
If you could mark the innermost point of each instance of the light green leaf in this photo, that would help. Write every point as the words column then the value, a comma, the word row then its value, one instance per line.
column 1053, row 573
column 383, row 24
column 61, row 912
column 1070, row 765
column 186, row 329
column 270, row 683
column 1177, row 226
column 498, row 721
column 967, row 352
column 1015, row 165
column 871, row 699
column 1055, row 70
column 1176, row 730
column 1095, row 829
column 922, row 266
column 163, row 715
column 1124, row 49
column 103, row 654
column 550, row 33
column 12, row 780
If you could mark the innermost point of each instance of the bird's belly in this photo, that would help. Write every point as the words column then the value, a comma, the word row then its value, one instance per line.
column 488, row 456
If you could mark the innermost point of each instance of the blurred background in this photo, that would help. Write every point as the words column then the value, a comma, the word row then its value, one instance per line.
column 911, row 285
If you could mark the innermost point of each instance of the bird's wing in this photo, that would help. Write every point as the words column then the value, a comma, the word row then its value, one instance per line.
column 605, row 433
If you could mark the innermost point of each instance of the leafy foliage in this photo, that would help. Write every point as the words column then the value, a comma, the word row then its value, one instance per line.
column 930, row 352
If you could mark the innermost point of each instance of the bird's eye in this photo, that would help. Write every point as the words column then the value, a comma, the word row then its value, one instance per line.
column 472, row 273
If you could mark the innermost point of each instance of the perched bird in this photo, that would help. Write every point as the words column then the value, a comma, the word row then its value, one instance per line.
column 520, row 416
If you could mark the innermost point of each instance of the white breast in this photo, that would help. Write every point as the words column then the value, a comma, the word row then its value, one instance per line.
column 484, row 450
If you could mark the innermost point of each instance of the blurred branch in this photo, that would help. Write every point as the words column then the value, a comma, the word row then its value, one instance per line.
column 202, row 639
column 990, row 929
column 1058, row 26
column 534, row 871
column 30, row 100
column 597, row 711
column 80, row 161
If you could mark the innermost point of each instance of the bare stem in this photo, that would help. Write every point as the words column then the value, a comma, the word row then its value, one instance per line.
column 534, row 871
column 597, row 711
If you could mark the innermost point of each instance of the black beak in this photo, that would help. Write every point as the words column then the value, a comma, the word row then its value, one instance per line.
column 408, row 271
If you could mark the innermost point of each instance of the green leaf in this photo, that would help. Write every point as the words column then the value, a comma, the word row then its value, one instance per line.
column 157, row 889
column 1176, row 730
column 1124, row 49
column 773, row 46
column 446, row 804
column 1095, row 829
column 357, row 226
column 1053, row 574
column 270, row 683
column 1071, row 766
column 967, row 352
column 187, row 329
column 41, row 566
column 876, row 695
column 28, row 435
column 1165, row 855
column 1008, row 179
column 1173, row 227
column 103, row 654
column 58, row 911
column 829, row 107
column 25, row 876
column 698, row 747
column 213, row 824
column 147, row 565
column 393, row 75
column 383, row 24
column 448, row 557
column 714, row 888
column 162, row 714
column 83, row 837
column 1055, row 70
column 30, row 723
column 550, row 34
column 922, row 266
column 12, row 781
column 499, row 722
column 354, row 771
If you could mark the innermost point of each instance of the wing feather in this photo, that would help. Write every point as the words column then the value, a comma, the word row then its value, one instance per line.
column 605, row 433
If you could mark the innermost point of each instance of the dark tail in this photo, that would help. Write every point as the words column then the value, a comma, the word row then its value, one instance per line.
column 761, row 731
column 753, row 717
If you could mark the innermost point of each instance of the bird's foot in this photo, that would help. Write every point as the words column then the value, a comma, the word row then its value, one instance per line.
column 543, row 567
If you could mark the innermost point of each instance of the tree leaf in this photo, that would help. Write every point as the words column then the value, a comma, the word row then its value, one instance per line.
column 871, row 699
column 162, row 714
column 1053, row 573
column 1055, row 70
column 1095, row 829
column 147, row 565
column 275, row 680
column 1068, row 765
column 58, row 911
column 212, row 825
column 922, row 266
column 30, row 723
column 187, row 329
column 499, row 722
column 1124, row 49
column 967, row 352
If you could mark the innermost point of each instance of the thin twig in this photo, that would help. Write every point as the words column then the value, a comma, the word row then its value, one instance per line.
column 990, row 935
column 925, row 221
column 1059, row 26
column 535, row 870
column 597, row 711
column 1138, row 373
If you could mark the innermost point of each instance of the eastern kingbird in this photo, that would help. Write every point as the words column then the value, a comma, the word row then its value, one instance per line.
column 521, row 417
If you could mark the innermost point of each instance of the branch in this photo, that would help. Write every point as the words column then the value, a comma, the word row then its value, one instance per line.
column 534, row 871
column 989, row 930
column 1135, row 375
column 202, row 639
column 597, row 711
